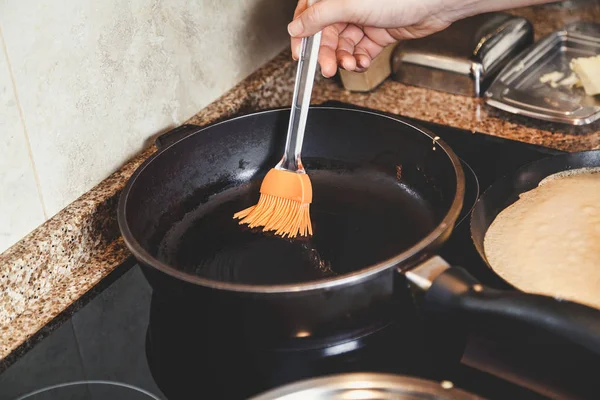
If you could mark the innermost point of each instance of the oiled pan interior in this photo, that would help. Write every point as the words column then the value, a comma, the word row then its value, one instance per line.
column 379, row 187
column 359, row 217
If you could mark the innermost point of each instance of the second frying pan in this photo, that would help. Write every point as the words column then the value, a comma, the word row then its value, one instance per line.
column 448, row 290
column 507, row 190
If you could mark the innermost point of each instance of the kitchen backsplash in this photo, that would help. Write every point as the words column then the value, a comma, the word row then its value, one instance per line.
column 85, row 85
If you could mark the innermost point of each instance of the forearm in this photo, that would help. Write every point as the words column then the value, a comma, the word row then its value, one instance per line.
column 466, row 8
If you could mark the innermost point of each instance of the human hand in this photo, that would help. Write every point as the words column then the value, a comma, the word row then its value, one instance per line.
column 356, row 31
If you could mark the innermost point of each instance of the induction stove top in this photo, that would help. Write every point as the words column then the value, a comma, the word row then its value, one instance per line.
column 121, row 335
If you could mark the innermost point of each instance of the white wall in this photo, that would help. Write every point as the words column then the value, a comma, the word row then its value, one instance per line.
column 84, row 84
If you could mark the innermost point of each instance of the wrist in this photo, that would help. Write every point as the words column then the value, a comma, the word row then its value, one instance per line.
column 459, row 9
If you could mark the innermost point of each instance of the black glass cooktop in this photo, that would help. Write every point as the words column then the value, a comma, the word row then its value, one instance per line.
column 133, row 345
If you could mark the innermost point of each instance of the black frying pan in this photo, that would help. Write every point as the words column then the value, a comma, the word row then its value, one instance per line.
column 494, row 200
column 506, row 190
column 386, row 196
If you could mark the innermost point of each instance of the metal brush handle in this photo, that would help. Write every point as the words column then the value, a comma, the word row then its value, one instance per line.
column 305, row 77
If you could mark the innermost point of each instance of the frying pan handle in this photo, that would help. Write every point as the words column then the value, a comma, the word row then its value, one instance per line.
column 455, row 290
column 174, row 135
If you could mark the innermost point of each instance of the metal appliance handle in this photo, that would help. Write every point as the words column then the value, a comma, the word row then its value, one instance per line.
column 453, row 290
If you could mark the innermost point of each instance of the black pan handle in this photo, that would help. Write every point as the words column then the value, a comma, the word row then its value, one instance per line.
column 455, row 290
column 174, row 135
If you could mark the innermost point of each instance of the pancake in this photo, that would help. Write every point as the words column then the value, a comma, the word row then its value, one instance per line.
column 548, row 242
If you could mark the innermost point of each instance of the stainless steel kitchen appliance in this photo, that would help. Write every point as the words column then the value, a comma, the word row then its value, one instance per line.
column 465, row 57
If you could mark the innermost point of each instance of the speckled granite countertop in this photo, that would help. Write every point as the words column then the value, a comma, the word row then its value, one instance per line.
column 45, row 273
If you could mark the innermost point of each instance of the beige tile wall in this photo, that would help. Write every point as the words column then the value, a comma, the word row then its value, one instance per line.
column 20, row 203
column 95, row 80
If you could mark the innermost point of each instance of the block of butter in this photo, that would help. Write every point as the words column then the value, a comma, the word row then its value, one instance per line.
column 588, row 71
column 379, row 70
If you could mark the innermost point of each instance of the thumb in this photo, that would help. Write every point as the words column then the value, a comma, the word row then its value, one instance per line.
column 320, row 15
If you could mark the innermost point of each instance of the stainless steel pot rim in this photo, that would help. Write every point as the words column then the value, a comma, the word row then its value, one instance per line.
column 447, row 222
column 95, row 383
column 338, row 385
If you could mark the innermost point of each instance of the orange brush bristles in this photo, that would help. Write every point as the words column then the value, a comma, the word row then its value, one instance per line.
column 283, row 206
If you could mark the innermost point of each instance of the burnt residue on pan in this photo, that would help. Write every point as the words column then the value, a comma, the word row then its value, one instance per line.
column 360, row 216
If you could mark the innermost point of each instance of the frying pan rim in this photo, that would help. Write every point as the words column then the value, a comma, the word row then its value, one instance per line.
column 511, row 177
column 447, row 222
